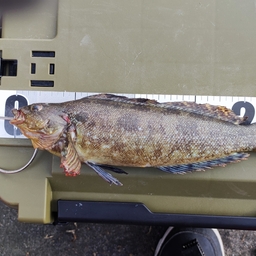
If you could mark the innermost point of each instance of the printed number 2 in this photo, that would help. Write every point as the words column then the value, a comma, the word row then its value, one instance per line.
column 249, row 110
column 9, row 105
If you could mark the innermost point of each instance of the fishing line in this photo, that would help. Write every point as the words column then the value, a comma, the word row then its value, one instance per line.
column 22, row 168
column 5, row 118
column 27, row 164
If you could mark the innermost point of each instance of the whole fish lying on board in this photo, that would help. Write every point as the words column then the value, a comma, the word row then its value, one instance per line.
column 105, row 131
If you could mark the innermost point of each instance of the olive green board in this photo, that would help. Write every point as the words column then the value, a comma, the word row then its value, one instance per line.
column 153, row 47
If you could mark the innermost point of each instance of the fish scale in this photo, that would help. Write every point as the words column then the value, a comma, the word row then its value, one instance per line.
column 108, row 130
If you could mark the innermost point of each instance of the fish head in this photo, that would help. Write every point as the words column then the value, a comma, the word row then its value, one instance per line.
column 42, row 123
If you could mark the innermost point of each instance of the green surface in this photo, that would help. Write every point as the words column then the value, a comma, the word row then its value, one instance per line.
column 165, row 47
column 29, row 189
column 222, row 191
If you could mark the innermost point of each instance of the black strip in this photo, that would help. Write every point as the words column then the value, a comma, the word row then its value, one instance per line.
column 138, row 213
column 46, row 54
column 0, row 26
column 33, row 68
column 41, row 83
column 51, row 69
column 8, row 67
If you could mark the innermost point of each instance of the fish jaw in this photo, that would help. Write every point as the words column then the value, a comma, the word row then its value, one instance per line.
column 36, row 129
column 18, row 118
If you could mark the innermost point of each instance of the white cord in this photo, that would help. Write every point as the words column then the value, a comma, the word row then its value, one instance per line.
column 6, row 118
column 22, row 168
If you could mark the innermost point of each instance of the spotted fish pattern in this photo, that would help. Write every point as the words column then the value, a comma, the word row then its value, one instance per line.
column 106, row 132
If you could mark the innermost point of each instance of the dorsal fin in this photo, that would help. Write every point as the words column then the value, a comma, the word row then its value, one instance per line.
column 217, row 112
column 124, row 99
column 107, row 96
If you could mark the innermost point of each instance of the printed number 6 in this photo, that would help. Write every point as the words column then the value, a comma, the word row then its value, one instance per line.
column 9, row 105
column 249, row 110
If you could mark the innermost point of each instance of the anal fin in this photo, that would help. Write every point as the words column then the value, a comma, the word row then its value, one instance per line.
column 200, row 166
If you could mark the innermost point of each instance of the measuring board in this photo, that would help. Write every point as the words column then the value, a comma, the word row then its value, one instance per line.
column 243, row 106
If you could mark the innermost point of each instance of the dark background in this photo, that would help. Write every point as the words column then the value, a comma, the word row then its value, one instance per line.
column 17, row 239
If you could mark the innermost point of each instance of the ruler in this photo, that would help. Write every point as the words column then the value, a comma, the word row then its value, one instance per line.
column 15, row 99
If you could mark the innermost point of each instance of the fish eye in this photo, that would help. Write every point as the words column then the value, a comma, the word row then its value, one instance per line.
column 36, row 108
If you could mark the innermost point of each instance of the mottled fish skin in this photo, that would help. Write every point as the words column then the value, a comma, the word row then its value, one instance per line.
column 122, row 133
column 111, row 130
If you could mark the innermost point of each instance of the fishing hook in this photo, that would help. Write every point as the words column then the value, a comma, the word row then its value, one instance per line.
column 23, row 167
column 27, row 164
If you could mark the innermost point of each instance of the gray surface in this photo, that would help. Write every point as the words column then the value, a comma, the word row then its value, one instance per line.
column 96, row 239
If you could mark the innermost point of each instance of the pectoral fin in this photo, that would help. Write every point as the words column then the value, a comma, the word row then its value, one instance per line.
column 200, row 166
column 70, row 161
column 103, row 174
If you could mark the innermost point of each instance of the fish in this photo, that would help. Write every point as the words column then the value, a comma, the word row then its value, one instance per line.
column 106, row 132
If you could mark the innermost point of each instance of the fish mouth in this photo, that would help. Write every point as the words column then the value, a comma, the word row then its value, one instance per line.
column 19, row 117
